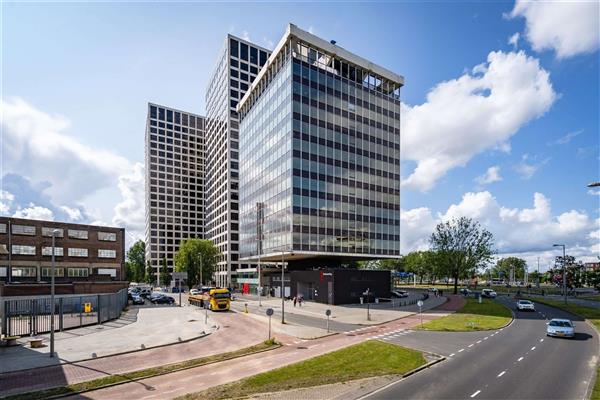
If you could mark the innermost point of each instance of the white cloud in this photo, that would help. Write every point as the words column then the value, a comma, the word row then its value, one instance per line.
column 73, row 213
column 569, row 27
column 566, row 138
column 491, row 175
column 246, row 36
column 35, row 212
column 516, row 231
column 514, row 40
column 529, row 166
column 6, row 200
column 594, row 192
column 480, row 110
column 311, row 30
column 129, row 212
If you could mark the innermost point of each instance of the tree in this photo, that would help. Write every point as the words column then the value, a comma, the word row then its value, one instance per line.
column 136, row 261
column 149, row 275
column 198, row 258
column 394, row 264
column 165, row 276
column 505, row 265
column 462, row 247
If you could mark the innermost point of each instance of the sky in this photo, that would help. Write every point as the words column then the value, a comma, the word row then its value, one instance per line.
column 500, row 108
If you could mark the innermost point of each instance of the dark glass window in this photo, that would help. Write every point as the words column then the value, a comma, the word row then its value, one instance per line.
column 263, row 58
column 253, row 70
column 233, row 83
column 233, row 93
column 253, row 55
column 161, row 114
column 152, row 111
column 234, row 63
column 244, row 51
column 243, row 86
column 234, row 73
column 177, row 117
column 243, row 76
column 233, row 44
column 169, row 116
column 244, row 66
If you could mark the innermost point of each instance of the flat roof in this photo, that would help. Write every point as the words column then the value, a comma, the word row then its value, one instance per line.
column 293, row 31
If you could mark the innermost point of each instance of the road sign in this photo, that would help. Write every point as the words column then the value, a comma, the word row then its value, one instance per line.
column 420, row 303
column 180, row 275
column 328, row 312
column 269, row 311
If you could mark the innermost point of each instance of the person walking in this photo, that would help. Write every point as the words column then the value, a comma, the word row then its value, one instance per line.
column 295, row 299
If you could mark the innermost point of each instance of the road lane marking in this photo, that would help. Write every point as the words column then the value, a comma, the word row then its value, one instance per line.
column 461, row 350
column 520, row 359
column 533, row 348
column 497, row 332
column 541, row 340
column 501, row 373
column 451, row 355
column 479, row 341
column 476, row 393
column 485, row 338
column 471, row 345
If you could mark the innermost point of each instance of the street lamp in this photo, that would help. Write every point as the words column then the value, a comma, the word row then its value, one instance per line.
column 52, row 273
column 564, row 271
column 282, row 288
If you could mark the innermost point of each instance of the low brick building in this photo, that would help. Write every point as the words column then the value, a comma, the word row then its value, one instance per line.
column 82, row 252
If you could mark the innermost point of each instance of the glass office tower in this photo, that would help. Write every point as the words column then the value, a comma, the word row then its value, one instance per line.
column 237, row 66
column 320, row 156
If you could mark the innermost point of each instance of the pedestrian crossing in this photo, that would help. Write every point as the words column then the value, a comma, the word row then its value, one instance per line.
column 393, row 334
column 376, row 333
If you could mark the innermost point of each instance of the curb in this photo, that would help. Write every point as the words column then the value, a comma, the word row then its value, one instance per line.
column 58, row 396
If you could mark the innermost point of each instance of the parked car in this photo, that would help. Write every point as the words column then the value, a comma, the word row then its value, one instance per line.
column 399, row 293
column 465, row 291
column 194, row 292
column 525, row 305
column 145, row 292
column 432, row 289
column 488, row 293
column 137, row 299
column 162, row 299
column 559, row 327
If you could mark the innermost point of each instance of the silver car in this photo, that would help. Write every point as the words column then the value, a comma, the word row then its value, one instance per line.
column 559, row 327
column 525, row 305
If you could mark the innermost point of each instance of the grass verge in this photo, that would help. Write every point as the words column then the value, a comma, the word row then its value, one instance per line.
column 472, row 317
column 589, row 313
column 140, row 374
column 371, row 358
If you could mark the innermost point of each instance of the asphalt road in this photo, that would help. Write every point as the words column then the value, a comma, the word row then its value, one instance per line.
column 517, row 362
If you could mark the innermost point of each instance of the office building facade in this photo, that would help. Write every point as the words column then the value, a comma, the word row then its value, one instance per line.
column 238, row 64
column 320, row 155
column 82, row 252
column 175, row 156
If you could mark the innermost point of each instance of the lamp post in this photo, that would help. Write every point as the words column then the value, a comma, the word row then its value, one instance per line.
column 564, row 271
column 52, row 273
column 282, row 288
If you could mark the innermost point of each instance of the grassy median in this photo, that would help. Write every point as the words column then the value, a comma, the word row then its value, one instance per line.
column 589, row 313
column 371, row 358
column 472, row 317
column 116, row 379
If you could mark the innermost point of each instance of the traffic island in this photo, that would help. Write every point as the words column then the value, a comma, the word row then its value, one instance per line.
column 364, row 360
column 473, row 316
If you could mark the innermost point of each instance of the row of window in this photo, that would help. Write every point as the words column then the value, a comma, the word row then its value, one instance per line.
column 31, row 272
column 25, row 250
column 30, row 230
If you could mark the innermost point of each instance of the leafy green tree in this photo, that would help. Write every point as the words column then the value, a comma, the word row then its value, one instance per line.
column 198, row 258
column 149, row 275
column 505, row 265
column 394, row 264
column 136, row 261
column 462, row 246
column 165, row 276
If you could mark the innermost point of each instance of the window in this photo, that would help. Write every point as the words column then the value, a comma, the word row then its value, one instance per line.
column 77, row 252
column 78, row 272
column 107, row 236
column 77, row 234
column 23, row 250
column 233, row 44
column 107, row 253
column 254, row 55
column 46, row 231
column 24, row 271
column 47, row 251
column 2, row 228
column 23, row 230
column 263, row 58
column 46, row 271
column 244, row 52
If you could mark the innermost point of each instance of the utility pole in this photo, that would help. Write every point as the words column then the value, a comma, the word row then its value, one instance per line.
column 564, row 274
column 538, row 272
column 282, row 289
column 9, row 251
column 52, row 307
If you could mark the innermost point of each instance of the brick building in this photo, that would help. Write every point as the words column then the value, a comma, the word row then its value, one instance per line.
column 82, row 252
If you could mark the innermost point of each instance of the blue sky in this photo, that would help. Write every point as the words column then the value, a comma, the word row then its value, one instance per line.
column 77, row 77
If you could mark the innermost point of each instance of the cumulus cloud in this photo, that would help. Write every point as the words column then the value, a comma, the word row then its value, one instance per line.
column 6, row 200
column 129, row 211
column 491, row 175
column 566, row 138
column 35, row 212
column 529, row 166
column 478, row 111
column 514, row 40
column 516, row 230
column 73, row 213
column 569, row 27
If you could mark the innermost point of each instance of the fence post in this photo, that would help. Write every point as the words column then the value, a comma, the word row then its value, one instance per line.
column 99, row 320
column 80, row 311
column 33, row 328
column 60, row 314
column 5, row 319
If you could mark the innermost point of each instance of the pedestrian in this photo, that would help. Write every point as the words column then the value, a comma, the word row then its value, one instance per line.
column 295, row 298
column 300, row 300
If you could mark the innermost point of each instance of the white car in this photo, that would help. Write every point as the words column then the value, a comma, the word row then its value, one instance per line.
column 525, row 305
column 488, row 293
column 194, row 292
column 559, row 327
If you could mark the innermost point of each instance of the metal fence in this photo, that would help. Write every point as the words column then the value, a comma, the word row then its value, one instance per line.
column 23, row 317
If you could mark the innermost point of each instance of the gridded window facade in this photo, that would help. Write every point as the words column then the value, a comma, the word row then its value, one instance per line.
column 77, row 252
column 107, row 253
column 78, row 234
column 58, row 272
column 107, row 236
column 23, row 230
column 24, row 272
column 174, row 181
column 48, row 232
column 78, row 272
column 23, row 250
column 47, row 251
column 2, row 228
column 345, row 153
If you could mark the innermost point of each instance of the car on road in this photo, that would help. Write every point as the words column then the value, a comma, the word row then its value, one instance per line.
column 399, row 293
column 194, row 292
column 488, row 293
column 137, row 299
column 525, row 305
column 163, row 299
column 559, row 327
column 465, row 291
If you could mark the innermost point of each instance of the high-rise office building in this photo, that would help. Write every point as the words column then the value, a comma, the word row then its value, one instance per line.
column 320, row 156
column 174, row 181
column 237, row 65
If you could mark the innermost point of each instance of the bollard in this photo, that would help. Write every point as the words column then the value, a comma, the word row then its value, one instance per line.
column 246, row 308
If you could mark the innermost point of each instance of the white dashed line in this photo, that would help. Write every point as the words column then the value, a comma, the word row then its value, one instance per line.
column 533, row 348
column 479, row 341
column 471, row 345
column 497, row 332
column 461, row 350
column 476, row 393
column 520, row 359
column 501, row 373
column 541, row 340
column 485, row 338
column 451, row 355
